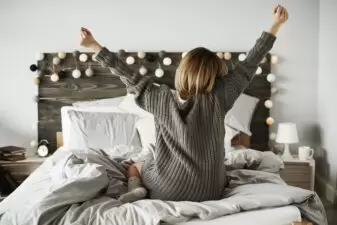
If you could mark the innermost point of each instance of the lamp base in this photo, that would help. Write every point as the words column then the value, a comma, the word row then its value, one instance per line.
column 286, row 153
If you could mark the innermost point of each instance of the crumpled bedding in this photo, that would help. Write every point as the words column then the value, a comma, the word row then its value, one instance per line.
column 81, row 186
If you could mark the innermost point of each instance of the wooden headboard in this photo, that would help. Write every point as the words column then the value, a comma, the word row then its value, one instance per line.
column 53, row 95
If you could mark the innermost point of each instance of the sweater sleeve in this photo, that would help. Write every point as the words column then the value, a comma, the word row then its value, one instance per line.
column 146, row 93
column 240, row 77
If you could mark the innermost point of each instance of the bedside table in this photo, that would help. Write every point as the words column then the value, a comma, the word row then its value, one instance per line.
column 20, row 170
column 299, row 173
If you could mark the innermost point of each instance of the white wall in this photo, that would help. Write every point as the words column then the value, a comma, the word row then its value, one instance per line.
column 327, row 92
column 50, row 26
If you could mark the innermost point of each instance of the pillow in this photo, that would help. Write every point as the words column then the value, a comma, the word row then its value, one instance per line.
column 246, row 158
column 243, row 159
column 101, row 129
column 240, row 116
column 65, row 120
column 99, row 103
column 147, row 131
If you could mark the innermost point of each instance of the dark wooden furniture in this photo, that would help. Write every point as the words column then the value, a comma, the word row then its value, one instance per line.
column 53, row 95
column 299, row 173
column 20, row 170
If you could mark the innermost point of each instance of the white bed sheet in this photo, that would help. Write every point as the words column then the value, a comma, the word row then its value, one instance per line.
column 276, row 216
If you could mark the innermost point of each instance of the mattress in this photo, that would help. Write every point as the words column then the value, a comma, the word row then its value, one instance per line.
column 275, row 216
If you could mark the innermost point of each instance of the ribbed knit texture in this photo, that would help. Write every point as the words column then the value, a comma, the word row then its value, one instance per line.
column 188, row 163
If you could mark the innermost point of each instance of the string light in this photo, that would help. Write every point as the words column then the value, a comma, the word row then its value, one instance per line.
column 76, row 73
column 270, row 121
column 56, row 60
column 130, row 60
column 274, row 59
column 271, row 78
column 37, row 80
column 159, row 72
column 167, row 61
column 272, row 136
column 83, row 57
column 220, row 55
column 33, row 143
column 141, row 54
column 39, row 56
column 143, row 70
column 259, row 71
column 62, row 55
column 268, row 104
column 242, row 57
column 54, row 77
column 274, row 90
column 227, row 55
column 89, row 72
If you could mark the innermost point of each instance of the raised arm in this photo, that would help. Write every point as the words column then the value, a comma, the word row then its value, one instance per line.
column 146, row 93
column 240, row 77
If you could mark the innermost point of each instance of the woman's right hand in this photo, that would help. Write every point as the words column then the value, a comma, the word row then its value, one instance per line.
column 88, row 40
column 280, row 15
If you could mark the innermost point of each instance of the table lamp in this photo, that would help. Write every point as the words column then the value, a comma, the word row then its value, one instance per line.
column 287, row 134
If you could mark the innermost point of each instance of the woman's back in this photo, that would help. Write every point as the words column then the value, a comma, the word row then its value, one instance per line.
column 189, row 151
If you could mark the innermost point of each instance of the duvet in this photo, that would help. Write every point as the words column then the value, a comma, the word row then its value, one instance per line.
column 80, row 187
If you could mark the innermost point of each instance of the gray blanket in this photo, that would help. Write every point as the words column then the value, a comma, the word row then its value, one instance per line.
column 80, row 187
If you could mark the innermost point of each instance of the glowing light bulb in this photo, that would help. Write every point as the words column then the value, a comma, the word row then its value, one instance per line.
column 242, row 57
column 227, row 55
column 259, row 71
column 271, row 78
column 159, row 72
column 54, row 77
column 130, row 60
column 268, row 104
column 83, row 57
column 76, row 73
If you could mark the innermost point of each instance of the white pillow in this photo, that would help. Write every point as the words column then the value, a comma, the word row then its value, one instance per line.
column 240, row 116
column 99, row 103
column 66, row 122
column 147, row 131
column 101, row 129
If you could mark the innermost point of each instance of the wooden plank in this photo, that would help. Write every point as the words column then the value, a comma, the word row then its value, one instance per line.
column 54, row 95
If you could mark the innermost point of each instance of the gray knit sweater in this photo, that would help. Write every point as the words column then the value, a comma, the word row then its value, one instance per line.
column 189, row 153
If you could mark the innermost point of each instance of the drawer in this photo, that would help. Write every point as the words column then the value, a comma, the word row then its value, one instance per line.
column 304, row 185
column 295, row 178
column 20, row 168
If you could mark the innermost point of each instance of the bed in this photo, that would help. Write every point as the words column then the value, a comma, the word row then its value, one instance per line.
column 94, row 130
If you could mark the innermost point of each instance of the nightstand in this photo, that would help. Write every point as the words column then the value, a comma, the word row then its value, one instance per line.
column 20, row 170
column 299, row 173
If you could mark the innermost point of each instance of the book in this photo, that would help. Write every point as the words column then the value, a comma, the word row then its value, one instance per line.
column 10, row 149
column 11, row 154
column 13, row 157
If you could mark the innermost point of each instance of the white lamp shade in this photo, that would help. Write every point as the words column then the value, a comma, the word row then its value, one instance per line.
column 287, row 133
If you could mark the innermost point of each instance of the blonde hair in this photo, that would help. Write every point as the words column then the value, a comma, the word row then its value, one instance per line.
column 197, row 72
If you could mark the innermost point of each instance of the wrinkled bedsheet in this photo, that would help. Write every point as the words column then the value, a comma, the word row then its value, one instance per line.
column 81, row 186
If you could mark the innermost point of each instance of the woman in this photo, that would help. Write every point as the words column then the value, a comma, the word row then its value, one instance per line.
column 188, row 157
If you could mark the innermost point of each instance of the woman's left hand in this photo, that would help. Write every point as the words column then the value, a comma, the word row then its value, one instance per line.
column 88, row 40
